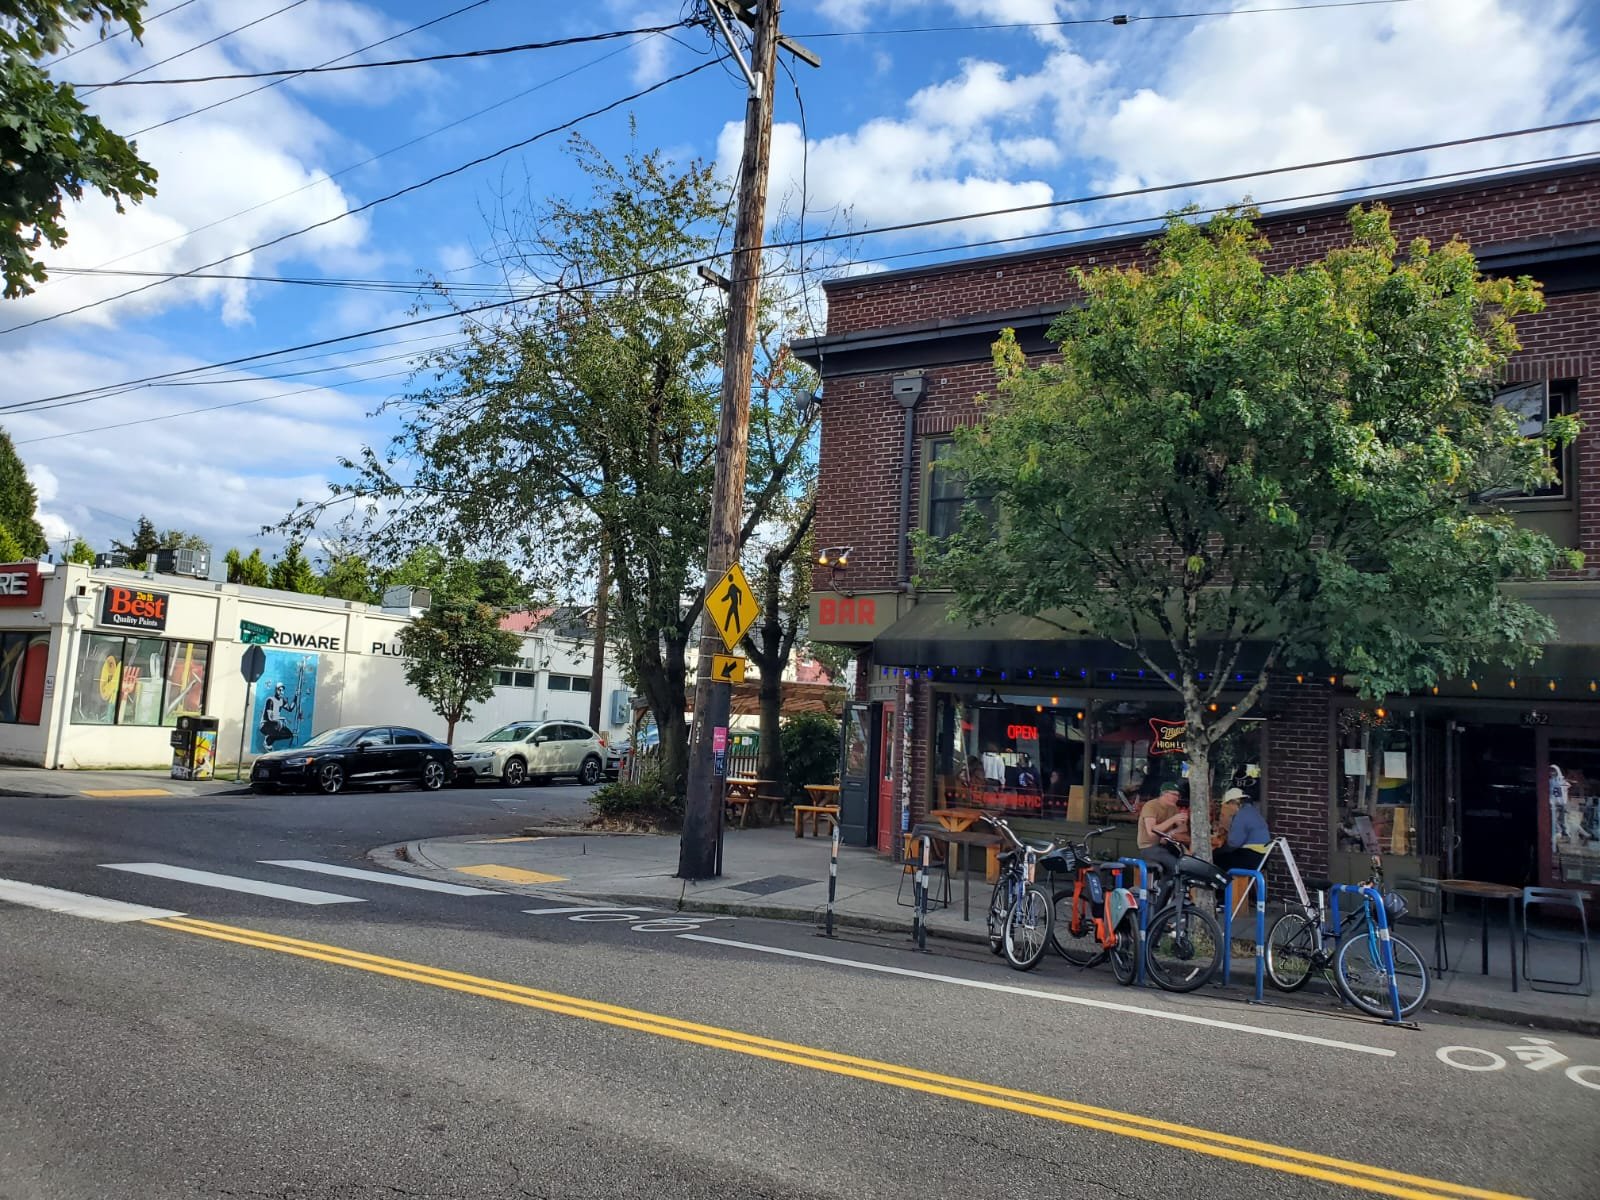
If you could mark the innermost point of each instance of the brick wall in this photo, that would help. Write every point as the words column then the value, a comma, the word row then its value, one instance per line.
column 1298, row 765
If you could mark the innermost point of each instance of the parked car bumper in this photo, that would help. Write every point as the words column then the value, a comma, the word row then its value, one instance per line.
column 478, row 768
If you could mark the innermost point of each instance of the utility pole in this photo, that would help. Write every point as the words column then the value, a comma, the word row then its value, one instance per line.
column 597, row 665
column 699, row 849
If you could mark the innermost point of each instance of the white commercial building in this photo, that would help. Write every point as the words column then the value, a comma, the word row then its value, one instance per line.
column 97, row 665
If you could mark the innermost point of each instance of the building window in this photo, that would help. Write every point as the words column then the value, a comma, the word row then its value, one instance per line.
column 1534, row 405
column 560, row 683
column 22, row 668
column 139, row 681
column 580, row 683
column 947, row 491
column 518, row 679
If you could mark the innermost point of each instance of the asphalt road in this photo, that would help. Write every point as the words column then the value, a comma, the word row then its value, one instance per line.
column 390, row 1042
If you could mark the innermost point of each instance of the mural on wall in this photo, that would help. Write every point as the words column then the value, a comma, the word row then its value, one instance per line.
column 285, row 702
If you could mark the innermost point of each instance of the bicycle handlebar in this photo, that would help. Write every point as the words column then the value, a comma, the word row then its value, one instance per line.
column 1000, row 824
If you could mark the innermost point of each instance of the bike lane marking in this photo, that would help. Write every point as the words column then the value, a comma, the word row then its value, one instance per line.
column 1034, row 993
column 1534, row 1053
column 1284, row 1159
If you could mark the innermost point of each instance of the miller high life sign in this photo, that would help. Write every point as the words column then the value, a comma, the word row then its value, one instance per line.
column 1166, row 737
column 21, row 585
column 136, row 609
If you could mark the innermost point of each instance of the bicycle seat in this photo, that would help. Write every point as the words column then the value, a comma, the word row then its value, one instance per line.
column 1062, row 862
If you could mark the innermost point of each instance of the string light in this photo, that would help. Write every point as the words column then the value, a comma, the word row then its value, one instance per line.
column 1054, row 700
column 1435, row 689
column 1552, row 685
column 1474, row 685
column 1512, row 684
column 1299, row 678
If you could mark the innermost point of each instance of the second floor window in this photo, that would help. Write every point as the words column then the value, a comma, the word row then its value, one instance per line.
column 1534, row 405
column 947, row 491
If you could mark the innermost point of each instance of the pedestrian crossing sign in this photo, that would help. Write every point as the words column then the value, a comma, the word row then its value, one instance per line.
column 727, row 668
column 732, row 606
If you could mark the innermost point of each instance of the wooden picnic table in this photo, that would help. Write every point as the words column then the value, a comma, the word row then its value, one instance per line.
column 823, row 807
column 744, row 791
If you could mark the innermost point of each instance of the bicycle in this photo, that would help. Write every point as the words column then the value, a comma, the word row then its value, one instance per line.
column 1091, row 922
column 1183, row 943
column 1019, row 911
column 1352, row 955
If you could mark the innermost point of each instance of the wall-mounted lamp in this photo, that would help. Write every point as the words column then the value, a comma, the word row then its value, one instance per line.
column 836, row 559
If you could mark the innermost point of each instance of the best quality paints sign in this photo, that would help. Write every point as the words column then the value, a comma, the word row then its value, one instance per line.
column 137, row 609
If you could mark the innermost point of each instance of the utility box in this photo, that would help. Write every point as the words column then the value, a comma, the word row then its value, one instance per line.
column 194, row 748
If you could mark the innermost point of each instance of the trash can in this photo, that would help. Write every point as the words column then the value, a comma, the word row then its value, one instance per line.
column 194, row 748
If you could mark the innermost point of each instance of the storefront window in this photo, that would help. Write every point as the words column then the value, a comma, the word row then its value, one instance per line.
column 1139, row 746
column 138, row 681
column 1376, row 766
column 22, row 670
column 1005, row 753
column 1572, row 790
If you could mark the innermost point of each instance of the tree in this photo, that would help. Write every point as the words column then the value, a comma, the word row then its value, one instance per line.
column 350, row 577
column 452, row 652
column 18, row 502
column 587, row 419
column 144, row 544
column 291, row 572
column 80, row 552
column 250, row 570
column 1230, row 472
column 52, row 147
column 10, row 548
column 783, row 581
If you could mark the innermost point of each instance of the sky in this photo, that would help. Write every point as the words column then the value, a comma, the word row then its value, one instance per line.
column 922, row 109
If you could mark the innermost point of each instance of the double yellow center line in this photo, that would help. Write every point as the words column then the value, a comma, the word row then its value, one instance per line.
column 1272, row 1157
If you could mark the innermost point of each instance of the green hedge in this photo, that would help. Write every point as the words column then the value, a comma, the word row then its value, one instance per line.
column 810, row 753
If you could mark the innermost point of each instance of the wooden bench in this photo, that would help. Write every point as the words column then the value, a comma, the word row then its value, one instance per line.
column 741, row 793
column 816, row 814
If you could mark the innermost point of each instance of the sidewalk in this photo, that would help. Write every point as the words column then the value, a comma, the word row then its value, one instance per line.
column 769, row 873
column 36, row 781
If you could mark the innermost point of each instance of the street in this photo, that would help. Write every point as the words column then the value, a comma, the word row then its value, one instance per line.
column 282, row 1019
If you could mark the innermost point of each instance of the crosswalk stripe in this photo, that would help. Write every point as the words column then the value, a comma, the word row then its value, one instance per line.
column 78, row 904
column 234, row 883
column 405, row 881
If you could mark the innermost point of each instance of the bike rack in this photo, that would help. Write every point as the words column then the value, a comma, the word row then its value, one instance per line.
column 1381, row 922
column 1260, row 882
column 1144, row 910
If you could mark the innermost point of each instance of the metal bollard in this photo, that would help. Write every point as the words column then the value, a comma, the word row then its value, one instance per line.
column 1144, row 908
column 919, row 920
column 1380, row 920
column 833, row 877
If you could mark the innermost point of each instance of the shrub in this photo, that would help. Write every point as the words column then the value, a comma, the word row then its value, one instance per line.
column 810, row 753
column 648, row 803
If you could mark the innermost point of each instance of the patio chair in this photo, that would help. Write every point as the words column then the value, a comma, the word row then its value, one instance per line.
column 1556, row 899
column 939, row 865
column 1429, row 898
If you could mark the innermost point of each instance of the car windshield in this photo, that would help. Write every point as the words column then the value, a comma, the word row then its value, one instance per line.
column 510, row 733
column 337, row 737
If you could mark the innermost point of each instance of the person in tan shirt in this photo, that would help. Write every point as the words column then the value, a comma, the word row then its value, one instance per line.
column 1163, row 815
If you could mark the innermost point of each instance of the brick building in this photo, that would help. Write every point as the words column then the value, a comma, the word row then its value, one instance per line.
column 1454, row 783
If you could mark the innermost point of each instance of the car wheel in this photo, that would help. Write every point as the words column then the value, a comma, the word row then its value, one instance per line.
column 433, row 774
column 515, row 774
column 589, row 774
column 330, row 778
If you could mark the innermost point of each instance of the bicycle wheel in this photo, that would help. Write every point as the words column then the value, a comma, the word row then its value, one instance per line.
column 1291, row 951
column 999, row 905
column 1080, row 948
column 1183, row 948
column 1362, row 978
column 1027, row 933
column 1125, row 954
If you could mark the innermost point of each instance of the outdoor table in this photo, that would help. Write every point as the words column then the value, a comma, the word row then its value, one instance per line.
column 742, row 793
column 824, row 806
column 951, row 837
column 1485, row 893
column 957, row 820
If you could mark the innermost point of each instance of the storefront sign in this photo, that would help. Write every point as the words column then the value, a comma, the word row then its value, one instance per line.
column 21, row 585
column 308, row 641
column 836, row 617
column 1022, row 733
column 134, row 608
column 1166, row 737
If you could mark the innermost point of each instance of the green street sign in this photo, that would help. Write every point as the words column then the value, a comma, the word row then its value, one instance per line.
column 252, row 634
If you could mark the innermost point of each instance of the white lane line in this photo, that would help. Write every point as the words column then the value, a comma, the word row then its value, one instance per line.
column 405, row 881
column 77, row 904
column 1082, row 1001
column 583, row 908
column 234, row 883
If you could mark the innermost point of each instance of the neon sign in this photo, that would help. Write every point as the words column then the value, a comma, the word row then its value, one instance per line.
column 1166, row 737
column 1023, row 733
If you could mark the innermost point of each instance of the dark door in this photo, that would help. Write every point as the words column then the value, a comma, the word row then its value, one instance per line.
column 374, row 757
column 857, row 767
column 1499, row 819
column 409, row 746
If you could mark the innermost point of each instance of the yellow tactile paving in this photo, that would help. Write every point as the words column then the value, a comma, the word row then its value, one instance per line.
column 510, row 874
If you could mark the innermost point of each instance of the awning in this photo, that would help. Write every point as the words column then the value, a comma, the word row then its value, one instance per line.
column 927, row 637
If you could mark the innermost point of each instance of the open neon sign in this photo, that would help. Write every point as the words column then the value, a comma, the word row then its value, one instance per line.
column 1023, row 733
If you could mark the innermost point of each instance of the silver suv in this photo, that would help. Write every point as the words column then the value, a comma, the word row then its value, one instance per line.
column 525, row 751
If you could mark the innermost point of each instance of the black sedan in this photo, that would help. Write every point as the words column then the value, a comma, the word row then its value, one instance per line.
column 356, row 756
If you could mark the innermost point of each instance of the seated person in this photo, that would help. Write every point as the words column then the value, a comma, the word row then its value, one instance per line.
column 1245, row 835
column 1223, row 818
column 1166, row 814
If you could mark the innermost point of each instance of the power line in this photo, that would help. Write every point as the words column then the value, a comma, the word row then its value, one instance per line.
column 1123, row 223
column 1117, row 19
column 449, row 56
column 91, row 89
column 393, row 37
column 101, row 41
column 370, row 204
column 87, row 394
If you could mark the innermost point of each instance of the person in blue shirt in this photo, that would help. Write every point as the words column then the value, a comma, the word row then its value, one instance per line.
column 1247, row 835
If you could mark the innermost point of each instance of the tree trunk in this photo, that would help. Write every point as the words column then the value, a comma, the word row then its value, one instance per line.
column 1199, row 751
column 770, row 659
column 597, row 668
column 450, row 729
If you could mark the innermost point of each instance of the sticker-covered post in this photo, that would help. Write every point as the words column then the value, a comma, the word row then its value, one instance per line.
column 251, row 667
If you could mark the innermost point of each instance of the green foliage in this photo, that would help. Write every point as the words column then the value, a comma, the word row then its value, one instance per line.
column 80, row 552
column 10, row 549
column 291, row 572
column 52, row 147
column 1225, row 457
column 810, row 753
column 250, row 570
column 351, row 577
column 649, row 802
column 452, row 652
column 18, row 503
column 147, row 539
